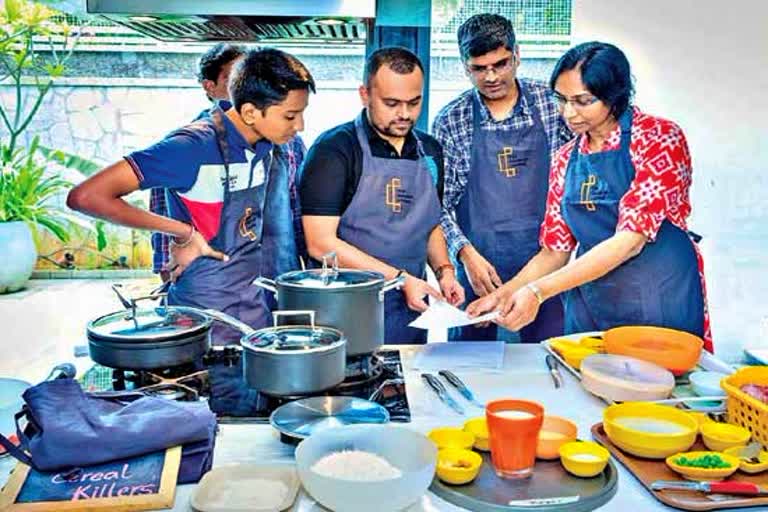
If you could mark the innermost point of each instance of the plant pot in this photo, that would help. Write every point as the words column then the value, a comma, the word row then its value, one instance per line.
column 18, row 257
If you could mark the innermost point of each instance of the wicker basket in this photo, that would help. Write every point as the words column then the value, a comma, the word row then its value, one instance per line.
column 743, row 409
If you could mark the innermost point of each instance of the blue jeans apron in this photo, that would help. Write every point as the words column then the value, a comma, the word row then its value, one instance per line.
column 660, row 286
column 502, row 209
column 256, row 232
column 390, row 217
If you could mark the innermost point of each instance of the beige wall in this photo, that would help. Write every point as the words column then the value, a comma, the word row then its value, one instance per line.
column 704, row 64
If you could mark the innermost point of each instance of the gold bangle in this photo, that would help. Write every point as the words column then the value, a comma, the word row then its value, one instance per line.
column 536, row 291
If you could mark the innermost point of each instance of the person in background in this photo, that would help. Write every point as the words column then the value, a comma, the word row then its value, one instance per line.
column 213, row 74
column 618, row 197
column 498, row 137
column 370, row 192
column 227, row 176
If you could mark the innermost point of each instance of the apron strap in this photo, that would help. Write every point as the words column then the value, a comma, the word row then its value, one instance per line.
column 222, row 142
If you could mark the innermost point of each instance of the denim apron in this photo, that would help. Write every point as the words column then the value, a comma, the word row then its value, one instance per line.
column 256, row 232
column 502, row 209
column 390, row 217
column 660, row 286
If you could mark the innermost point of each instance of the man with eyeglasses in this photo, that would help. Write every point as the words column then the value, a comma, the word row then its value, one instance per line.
column 498, row 138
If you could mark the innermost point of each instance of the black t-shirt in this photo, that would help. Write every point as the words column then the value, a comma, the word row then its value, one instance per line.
column 334, row 164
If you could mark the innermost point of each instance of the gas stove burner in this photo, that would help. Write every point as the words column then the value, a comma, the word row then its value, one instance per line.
column 186, row 386
column 363, row 368
column 228, row 355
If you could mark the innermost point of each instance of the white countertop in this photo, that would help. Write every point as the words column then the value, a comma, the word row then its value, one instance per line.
column 524, row 375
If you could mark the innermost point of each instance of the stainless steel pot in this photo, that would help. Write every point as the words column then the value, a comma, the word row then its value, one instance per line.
column 294, row 360
column 351, row 301
column 151, row 338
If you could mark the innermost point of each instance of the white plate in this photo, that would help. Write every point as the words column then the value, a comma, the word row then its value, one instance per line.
column 247, row 488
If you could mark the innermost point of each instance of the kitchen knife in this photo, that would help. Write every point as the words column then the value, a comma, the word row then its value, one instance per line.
column 442, row 393
column 730, row 487
column 553, row 370
column 456, row 382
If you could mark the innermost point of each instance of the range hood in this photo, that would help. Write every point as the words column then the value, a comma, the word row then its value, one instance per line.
column 301, row 21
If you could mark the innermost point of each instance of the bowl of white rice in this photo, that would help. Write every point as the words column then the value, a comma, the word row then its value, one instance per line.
column 375, row 468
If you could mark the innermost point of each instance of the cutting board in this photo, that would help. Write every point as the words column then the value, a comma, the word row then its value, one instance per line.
column 647, row 471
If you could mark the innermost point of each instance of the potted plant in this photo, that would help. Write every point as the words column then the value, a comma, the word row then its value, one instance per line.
column 28, row 194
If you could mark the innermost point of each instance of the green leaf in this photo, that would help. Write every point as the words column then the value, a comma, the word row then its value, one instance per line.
column 70, row 161
column 58, row 230
column 12, row 10
column 101, row 235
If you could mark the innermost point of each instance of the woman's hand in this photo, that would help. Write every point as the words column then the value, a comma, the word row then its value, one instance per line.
column 183, row 254
column 518, row 309
column 452, row 290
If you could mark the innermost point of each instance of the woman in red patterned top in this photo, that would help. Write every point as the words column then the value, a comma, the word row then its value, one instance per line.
column 619, row 197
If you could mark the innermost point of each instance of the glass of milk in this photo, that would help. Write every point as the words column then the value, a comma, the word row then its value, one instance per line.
column 513, row 432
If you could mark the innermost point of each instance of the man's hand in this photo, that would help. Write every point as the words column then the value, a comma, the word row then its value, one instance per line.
column 452, row 290
column 415, row 290
column 482, row 275
column 518, row 309
column 182, row 255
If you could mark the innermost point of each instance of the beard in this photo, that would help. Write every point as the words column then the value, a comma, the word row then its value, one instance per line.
column 397, row 128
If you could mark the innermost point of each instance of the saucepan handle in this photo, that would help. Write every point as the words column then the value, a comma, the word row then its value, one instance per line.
column 266, row 283
column 230, row 320
column 294, row 312
column 391, row 285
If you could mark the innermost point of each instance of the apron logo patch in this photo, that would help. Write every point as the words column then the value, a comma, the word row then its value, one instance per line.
column 586, row 190
column 505, row 166
column 392, row 199
column 245, row 231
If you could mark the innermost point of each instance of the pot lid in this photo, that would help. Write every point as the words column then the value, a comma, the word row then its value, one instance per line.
column 326, row 279
column 301, row 418
column 148, row 325
column 294, row 338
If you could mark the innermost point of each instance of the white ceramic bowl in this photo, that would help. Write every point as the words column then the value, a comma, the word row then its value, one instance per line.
column 707, row 383
column 410, row 452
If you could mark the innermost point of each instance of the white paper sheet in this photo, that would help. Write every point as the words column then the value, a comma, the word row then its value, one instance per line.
column 457, row 355
column 442, row 315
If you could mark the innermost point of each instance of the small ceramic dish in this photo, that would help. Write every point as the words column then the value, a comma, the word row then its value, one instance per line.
column 745, row 465
column 583, row 458
column 704, row 474
column 707, row 383
column 479, row 428
column 451, row 437
column 721, row 436
column 457, row 466
column 555, row 432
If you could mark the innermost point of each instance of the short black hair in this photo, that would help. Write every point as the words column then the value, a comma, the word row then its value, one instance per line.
column 483, row 33
column 604, row 71
column 216, row 58
column 400, row 60
column 265, row 76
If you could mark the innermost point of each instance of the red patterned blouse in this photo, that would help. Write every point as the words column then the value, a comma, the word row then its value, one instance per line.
column 660, row 189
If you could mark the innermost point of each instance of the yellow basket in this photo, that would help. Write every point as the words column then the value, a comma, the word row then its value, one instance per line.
column 743, row 409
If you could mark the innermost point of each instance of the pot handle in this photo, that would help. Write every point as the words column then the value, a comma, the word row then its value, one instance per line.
column 392, row 284
column 294, row 312
column 230, row 320
column 266, row 283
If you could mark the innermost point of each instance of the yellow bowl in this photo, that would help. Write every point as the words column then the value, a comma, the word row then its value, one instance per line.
column 700, row 417
column 706, row 474
column 721, row 436
column 555, row 432
column 451, row 437
column 457, row 466
column 479, row 428
column 648, row 430
column 745, row 465
column 583, row 458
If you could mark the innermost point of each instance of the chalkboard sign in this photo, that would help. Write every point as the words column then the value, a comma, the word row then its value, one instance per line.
column 138, row 483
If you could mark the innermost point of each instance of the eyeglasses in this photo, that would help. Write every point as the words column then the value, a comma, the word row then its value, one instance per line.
column 498, row 67
column 578, row 102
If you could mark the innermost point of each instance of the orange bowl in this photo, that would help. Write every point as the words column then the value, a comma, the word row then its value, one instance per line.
column 555, row 432
column 677, row 351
